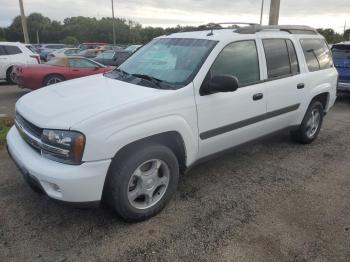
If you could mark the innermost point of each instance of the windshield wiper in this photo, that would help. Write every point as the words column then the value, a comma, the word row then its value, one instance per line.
column 152, row 79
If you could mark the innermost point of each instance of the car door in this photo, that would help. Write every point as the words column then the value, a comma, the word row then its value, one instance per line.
column 285, row 86
column 4, row 62
column 228, row 119
column 79, row 67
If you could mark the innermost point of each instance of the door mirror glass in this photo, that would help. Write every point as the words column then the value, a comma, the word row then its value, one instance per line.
column 220, row 84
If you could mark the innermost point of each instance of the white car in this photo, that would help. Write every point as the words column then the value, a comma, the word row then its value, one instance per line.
column 125, row 136
column 12, row 54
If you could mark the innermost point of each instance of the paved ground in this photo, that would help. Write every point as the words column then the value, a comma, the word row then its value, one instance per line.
column 272, row 201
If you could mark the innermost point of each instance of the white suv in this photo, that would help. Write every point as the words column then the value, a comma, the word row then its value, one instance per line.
column 12, row 54
column 125, row 136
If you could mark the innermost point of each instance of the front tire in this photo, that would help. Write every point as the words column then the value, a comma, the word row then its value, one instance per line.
column 309, row 129
column 141, row 182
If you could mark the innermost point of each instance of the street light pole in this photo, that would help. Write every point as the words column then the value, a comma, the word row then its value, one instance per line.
column 24, row 22
column 262, row 12
column 274, row 12
column 113, row 22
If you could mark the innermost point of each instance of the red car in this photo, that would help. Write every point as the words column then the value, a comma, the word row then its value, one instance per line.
column 56, row 70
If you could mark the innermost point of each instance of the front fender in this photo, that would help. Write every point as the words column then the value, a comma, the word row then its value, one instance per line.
column 116, row 140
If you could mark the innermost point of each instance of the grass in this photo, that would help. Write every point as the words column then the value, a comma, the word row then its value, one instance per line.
column 5, row 124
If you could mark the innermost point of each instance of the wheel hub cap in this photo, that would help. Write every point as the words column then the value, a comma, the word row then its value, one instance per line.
column 148, row 184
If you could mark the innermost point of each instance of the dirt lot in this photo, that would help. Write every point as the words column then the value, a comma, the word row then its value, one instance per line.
column 272, row 201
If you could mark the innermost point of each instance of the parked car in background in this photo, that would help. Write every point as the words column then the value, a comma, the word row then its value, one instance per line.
column 105, row 48
column 107, row 58
column 89, row 53
column 32, row 48
column 132, row 48
column 341, row 56
column 125, row 136
column 45, row 49
column 90, row 45
column 116, row 57
column 63, row 52
column 56, row 70
column 12, row 54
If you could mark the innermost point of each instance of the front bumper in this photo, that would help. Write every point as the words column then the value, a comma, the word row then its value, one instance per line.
column 68, row 183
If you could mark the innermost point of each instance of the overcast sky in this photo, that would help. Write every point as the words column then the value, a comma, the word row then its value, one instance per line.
column 317, row 13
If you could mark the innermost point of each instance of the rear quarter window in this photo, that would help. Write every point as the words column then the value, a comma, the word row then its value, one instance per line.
column 317, row 54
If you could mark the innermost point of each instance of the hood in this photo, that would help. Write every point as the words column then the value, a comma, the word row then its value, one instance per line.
column 62, row 105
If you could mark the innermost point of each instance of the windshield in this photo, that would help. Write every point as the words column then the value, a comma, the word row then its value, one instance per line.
column 341, row 52
column 57, row 62
column 171, row 61
column 105, row 55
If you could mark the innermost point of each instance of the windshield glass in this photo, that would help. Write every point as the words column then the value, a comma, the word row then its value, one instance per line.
column 105, row 55
column 57, row 62
column 341, row 52
column 172, row 61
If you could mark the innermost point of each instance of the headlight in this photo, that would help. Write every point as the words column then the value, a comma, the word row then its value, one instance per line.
column 63, row 146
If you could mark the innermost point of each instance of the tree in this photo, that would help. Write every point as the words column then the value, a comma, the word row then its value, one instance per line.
column 347, row 35
column 331, row 36
column 71, row 41
column 2, row 34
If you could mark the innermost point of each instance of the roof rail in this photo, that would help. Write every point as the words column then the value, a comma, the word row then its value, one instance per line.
column 292, row 29
column 217, row 26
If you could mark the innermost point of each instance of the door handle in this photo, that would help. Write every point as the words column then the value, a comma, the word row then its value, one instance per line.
column 258, row 96
column 301, row 86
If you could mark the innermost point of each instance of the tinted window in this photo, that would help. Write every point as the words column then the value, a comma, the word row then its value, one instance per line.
column 81, row 63
column 2, row 50
column 277, row 58
column 12, row 50
column 239, row 59
column 317, row 54
column 293, row 57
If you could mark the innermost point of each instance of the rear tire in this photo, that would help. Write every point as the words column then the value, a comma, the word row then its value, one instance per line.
column 311, row 125
column 141, row 182
column 53, row 79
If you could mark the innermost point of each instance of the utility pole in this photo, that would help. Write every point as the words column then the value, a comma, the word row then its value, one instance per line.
column 344, row 30
column 274, row 12
column 113, row 22
column 262, row 12
column 24, row 23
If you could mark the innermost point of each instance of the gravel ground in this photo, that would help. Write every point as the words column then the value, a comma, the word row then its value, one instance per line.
column 271, row 201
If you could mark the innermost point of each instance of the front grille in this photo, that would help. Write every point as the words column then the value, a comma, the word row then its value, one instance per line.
column 29, row 127
column 29, row 132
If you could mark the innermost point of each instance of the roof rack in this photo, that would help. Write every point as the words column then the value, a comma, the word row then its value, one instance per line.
column 292, row 29
column 217, row 26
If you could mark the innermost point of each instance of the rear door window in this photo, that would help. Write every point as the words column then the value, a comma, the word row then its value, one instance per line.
column 293, row 57
column 12, row 50
column 317, row 54
column 277, row 58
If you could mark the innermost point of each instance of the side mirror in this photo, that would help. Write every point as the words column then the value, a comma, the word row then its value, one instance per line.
column 219, row 84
